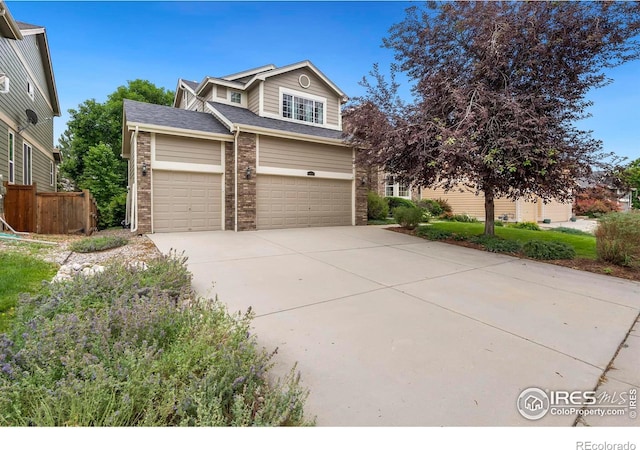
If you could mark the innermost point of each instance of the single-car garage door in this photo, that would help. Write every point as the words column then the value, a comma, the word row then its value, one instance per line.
column 289, row 202
column 186, row 201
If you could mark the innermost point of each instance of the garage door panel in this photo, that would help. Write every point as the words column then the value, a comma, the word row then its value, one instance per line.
column 289, row 202
column 186, row 201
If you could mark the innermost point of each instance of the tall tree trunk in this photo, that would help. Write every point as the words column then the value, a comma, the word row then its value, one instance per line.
column 489, row 211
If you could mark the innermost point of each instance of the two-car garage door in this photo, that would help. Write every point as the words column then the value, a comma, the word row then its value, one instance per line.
column 290, row 202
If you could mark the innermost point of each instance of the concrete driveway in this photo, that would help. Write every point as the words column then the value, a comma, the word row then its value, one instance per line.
column 389, row 329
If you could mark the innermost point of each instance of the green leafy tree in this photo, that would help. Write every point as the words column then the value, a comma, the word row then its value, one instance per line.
column 99, row 125
column 103, row 178
column 631, row 177
column 497, row 90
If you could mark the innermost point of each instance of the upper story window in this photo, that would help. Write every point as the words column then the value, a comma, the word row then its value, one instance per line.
column 30, row 90
column 302, row 107
column 236, row 97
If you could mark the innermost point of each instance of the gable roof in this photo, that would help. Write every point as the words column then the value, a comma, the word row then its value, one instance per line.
column 299, row 65
column 240, row 116
column 190, row 84
column 248, row 73
column 26, row 27
column 8, row 26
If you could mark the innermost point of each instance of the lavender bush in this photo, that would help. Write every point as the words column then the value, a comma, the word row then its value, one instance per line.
column 130, row 347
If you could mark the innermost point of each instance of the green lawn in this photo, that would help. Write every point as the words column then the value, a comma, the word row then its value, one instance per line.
column 585, row 245
column 19, row 273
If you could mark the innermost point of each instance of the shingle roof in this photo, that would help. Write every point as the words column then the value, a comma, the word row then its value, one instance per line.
column 27, row 26
column 168, row 116
column 242, row 116
column 192, row 84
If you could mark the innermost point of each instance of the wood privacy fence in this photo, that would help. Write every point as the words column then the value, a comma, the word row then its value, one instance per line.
column 26, row 209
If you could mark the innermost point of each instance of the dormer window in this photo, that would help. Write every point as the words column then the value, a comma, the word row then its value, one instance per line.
column 236, row 97
column 303, row 107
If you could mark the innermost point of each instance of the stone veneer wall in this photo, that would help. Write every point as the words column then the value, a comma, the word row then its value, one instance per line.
column 144, row 182
column 229, row 176
column 362, row 187
column 246, row 187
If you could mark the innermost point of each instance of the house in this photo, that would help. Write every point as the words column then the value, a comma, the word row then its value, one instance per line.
column 465, row 201
column 254, row 150
column 28, row 104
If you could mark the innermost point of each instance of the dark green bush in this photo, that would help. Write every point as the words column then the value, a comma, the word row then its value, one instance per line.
column 97, row 243
column 618, row 238
column 433, row 234
column 548, row 250
column 497, row 244
column 567, row 230
column 526, row 226
column 408, row 218
column 133, row 347
column 431, row 206
column 395, row 202
column 377, row 207
column 498, row 223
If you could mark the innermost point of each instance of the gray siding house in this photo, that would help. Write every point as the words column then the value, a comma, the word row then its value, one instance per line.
column 259, row 149
column 26, row 83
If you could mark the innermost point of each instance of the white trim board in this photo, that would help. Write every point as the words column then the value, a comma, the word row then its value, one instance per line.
column 303, row 173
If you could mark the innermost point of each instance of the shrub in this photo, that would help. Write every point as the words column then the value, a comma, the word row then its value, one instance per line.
column 117, row 208
column 395, row 202
column 618, row 238
column 444, row 204
column 462, row 218
column 548, row 250
column 377, row 207
column 526, row 226
column 595, row 202
column 497, row 244
column 132, row 347
column 408, row 218
column 97, row 244
column 433, row 234
column 431, row 206
column 498, row 223
column 567, row 230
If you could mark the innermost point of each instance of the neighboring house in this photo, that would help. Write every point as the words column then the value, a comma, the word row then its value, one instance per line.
column 465, row 201
column 253, row 150
column 26, row 84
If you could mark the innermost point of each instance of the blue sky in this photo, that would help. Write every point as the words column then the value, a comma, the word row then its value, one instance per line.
column 98, row 46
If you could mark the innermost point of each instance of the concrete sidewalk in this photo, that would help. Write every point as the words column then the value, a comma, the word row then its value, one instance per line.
column 389, row 329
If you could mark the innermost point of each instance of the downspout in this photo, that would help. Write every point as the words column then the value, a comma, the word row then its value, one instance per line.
column 134, row 195
column 235, row 171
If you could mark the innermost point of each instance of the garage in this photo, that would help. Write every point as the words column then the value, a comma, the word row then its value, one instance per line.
column 293, row 202
column 186, row 201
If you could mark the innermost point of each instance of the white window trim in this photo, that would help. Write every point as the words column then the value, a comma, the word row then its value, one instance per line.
column 11, row 163
column 230, row 94
column 396, row 190
column 51, row 174
column 31, row 91
column 27, row 149
column 305, row 95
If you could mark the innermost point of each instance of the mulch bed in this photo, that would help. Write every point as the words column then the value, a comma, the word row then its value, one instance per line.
column 587, row 265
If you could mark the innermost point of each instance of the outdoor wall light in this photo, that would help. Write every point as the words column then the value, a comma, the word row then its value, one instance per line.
column 144, row 169
column 363, row 181
column 248, row 173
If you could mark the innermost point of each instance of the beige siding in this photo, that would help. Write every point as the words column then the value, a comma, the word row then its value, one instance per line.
column 289, row 80
column 291, row 154
column 221, row 92
column 292, row 202
column 555, row 211
column 528, row 210
column 188, row 150
column 466, row 202
column 184, row 201
column 253, row 100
